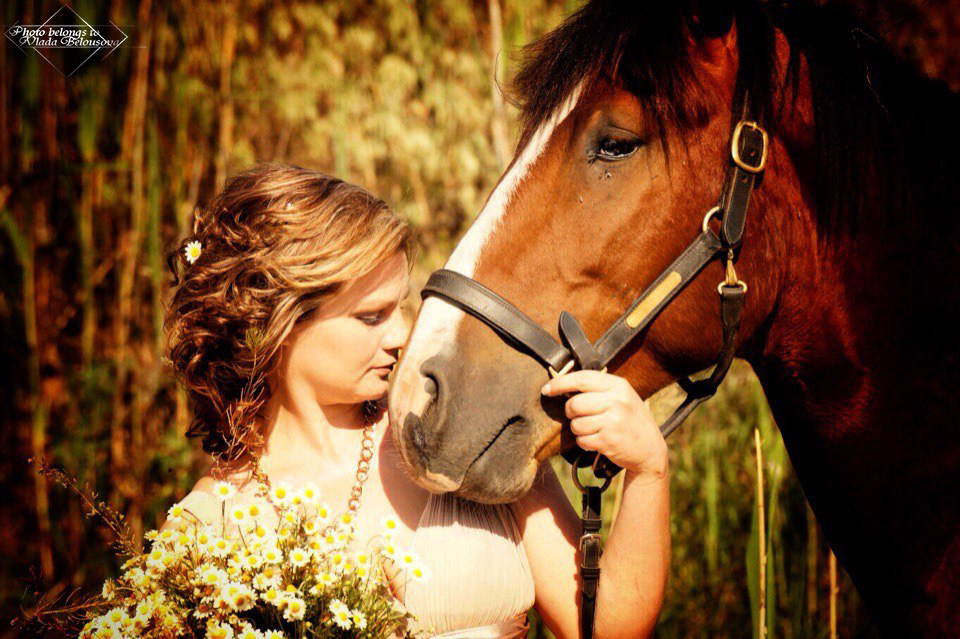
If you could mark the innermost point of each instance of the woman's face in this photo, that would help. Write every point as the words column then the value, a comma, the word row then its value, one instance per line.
column 344, row 353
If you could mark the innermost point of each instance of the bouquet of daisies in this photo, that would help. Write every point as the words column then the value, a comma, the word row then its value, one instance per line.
column 284, row 573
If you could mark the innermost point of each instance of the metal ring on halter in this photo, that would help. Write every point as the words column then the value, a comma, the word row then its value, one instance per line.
column 706, row 218
column 740, row 283
column 576, row 478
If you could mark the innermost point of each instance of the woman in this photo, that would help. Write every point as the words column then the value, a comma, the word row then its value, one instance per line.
column 284, row 329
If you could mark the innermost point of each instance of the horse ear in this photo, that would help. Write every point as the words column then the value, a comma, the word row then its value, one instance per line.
column 713, row 32
column 710, row 18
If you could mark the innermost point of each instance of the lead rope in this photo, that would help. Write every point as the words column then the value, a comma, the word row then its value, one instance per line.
column 590, row 546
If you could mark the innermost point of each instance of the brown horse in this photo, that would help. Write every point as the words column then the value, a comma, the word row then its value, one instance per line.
column 850, row 254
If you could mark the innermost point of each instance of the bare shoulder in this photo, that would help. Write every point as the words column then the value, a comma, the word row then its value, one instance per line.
column 546, row 493
column 201, row 503
column 545, row 499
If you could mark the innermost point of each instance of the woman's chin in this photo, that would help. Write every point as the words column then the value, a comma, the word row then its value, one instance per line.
column 374, row 389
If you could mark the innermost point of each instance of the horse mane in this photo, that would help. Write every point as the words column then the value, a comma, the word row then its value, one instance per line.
column 885, row 135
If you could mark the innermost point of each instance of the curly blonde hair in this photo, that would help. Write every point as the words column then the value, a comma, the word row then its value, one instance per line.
column 276, row 243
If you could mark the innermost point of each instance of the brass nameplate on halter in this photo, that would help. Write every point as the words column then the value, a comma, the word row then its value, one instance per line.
column 651, row 301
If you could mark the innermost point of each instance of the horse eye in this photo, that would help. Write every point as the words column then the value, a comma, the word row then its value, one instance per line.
column 617, row 149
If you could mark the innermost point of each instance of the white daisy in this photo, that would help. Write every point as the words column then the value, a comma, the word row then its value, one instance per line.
column 175, row 513
column 324, row 579
column 390, row 549
column 419, row 573
column 238, row 596
column 192, row 251
column 294, row 609
column 219, row 631
column 223, row 490
column 271, row 596
column 341, row 614
column 239, row 515
column 309, row 494
column 299, row 557
column 359, row 620
column 281, row 493
column 408, row 559
column 389, row 525
column 323, row 513
column 271, row 553
column 249, row 633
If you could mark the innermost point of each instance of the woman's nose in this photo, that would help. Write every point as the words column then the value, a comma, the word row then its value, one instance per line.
column 397, row 331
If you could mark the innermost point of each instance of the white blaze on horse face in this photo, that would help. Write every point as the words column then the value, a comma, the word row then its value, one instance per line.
column 437, row 323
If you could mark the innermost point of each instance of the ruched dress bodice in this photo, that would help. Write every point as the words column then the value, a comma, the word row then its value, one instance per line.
column 481, row 585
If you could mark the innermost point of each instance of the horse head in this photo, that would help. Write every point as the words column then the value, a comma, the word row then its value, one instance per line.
column 607, row 187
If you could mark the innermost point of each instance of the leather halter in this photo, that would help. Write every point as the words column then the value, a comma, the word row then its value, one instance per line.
column 748, row 157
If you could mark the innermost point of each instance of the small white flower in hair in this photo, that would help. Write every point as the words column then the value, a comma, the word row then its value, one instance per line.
column 192, row 252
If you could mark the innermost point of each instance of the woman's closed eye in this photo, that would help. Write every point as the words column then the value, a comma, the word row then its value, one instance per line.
column 372, row 319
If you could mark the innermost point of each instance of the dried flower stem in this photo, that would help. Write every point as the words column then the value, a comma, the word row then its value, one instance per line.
column 93, row 506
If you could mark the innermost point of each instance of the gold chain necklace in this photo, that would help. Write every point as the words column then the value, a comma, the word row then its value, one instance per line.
column 363, row 469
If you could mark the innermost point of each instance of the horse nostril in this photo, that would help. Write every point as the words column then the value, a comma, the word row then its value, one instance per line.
column 416, row 439
column 431, row 386
column 419, row 440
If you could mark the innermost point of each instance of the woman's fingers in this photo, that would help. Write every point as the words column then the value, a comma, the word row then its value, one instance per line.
column 580, row 381
column 592, row 442
column 608, row 416
column 585, row 404
column 587, row 425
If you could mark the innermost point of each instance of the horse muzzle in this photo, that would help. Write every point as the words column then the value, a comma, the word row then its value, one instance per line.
column 469, row 428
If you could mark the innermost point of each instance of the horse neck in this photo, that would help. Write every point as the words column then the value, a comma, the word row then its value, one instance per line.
column 862, row 382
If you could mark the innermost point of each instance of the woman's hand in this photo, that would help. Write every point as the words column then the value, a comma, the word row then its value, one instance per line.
column 608, row 416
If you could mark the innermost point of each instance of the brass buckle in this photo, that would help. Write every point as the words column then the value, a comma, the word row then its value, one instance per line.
column 735, row 147
column 583, row 542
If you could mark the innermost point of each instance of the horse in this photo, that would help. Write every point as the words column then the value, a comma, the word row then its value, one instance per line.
column 849, row 250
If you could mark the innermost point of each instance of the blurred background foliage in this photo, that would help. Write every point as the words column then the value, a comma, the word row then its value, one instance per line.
column 102, row 170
